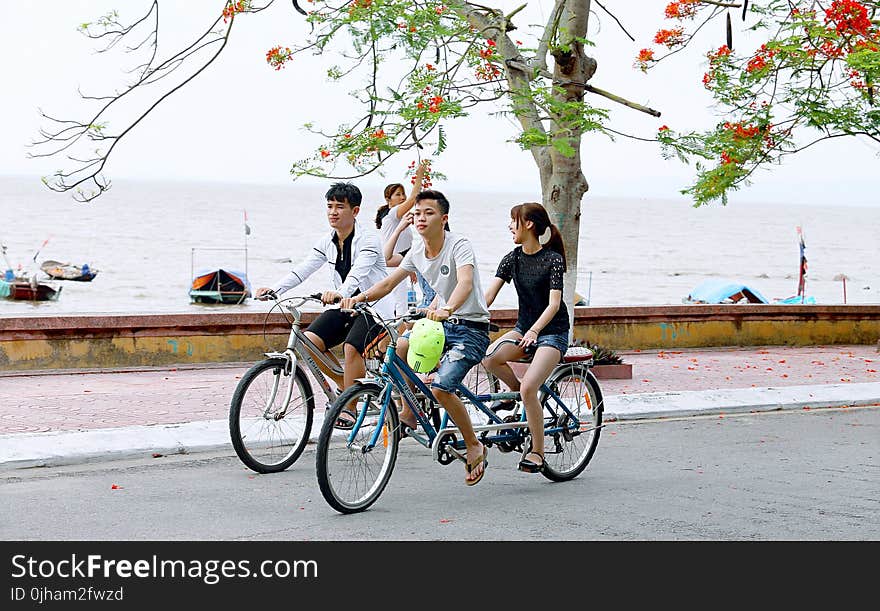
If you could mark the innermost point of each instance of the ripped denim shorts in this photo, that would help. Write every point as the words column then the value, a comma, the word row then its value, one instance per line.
column 465, row 347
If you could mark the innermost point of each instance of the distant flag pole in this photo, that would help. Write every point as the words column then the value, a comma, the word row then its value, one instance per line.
column 46, row 241
column 247, row 232
column 802, row 273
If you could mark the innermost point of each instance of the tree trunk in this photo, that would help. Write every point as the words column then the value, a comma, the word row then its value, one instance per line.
column 563, row 190
column 562, row 197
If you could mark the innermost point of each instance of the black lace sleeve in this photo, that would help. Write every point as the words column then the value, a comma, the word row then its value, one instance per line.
column 505, row 268
column 557, row 272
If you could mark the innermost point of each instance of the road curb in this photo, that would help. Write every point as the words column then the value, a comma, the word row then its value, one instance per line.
column 33, row 450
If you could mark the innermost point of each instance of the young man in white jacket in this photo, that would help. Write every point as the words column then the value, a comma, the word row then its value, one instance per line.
column 354, row 255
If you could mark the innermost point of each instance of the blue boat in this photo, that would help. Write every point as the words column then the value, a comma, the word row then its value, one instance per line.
column 721, row 290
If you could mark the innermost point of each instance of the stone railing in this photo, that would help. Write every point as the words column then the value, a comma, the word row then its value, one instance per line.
column 107, row 341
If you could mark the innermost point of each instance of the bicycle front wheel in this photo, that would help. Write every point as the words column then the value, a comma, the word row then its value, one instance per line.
column 353, row 470
column 568, row 451
column 268, row 432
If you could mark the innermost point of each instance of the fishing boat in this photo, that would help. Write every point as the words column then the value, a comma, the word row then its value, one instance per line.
column 68, row 271
column 219, row 285
column 29, row 290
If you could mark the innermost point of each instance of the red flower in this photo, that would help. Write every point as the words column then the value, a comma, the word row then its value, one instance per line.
column 723, row 51
column 239, row 6
column 278, row 56
column 756, row 64
column 670, row 38
column 848, row 16
column 643, row 58
column 681, row 9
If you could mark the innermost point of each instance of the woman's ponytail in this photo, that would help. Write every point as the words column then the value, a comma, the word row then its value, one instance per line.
column 381, row 213
column 555, row 243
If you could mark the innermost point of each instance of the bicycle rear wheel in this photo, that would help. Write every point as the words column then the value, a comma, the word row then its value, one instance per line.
column 267, row 436
column 351, row 473
column 567, row 453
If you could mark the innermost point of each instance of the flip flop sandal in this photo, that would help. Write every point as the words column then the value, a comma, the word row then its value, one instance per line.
column 470, row 468
column 345, row 423
column 530, row 466
column 402, row 428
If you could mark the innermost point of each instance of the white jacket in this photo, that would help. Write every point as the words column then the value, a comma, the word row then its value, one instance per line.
column 367, row 267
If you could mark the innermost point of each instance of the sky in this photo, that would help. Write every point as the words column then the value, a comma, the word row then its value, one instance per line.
column 241, row 121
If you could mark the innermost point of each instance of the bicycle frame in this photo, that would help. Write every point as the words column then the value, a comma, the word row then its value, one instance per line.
column 395, row 373
column 295, row 353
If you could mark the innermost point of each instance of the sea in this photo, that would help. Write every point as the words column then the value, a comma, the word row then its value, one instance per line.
column 147, row 239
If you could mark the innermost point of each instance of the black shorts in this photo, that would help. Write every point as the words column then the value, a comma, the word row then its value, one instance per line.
column 335, row 327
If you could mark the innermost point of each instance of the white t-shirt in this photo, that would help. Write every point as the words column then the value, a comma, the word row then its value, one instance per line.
column 441, row 272
column 389, row 224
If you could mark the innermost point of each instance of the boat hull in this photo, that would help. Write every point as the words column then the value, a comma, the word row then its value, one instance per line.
column 26, row 291
column 220, row 286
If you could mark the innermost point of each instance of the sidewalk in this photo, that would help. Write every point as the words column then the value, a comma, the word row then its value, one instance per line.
column 54, row 418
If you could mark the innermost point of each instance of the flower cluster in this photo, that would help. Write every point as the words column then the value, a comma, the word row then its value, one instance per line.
column 683, row 9
column 238, row 6
column 722, row 52
column 644, row 57
column 426, row 176
column 856, row 80
column 276, row 57
column 670, row 38
column 742, row 131
column 357, row 5
column 756, row 64
column 743, row 136
column 848, row 16
column 488, row 70
column 434, row 103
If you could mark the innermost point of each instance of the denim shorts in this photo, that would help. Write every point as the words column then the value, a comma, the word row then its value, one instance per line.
column 464, row 348
column 554, row 340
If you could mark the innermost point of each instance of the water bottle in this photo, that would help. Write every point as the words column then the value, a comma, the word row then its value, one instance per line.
column 411, row 302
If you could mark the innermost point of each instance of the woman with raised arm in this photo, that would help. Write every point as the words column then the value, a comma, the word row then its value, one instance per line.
column 396, row 241
column 536, row 266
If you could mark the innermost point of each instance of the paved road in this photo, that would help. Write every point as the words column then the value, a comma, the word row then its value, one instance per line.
column 797, row 475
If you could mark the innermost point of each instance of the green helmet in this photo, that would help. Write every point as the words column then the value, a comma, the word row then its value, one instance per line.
column 425, row 345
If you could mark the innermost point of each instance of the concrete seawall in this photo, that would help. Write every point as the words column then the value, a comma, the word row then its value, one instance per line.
column 103, row 341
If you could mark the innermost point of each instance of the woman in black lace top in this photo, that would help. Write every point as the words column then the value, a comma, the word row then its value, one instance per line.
column 536, row 267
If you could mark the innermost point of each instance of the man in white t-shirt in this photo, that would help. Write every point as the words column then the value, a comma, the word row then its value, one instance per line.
column 447, row 262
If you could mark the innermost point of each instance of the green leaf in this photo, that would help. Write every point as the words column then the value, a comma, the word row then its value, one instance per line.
column 441, row 140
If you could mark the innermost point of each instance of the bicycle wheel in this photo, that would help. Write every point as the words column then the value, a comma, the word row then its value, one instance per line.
column 351, row 474
column 567, row 453
column 267, row 436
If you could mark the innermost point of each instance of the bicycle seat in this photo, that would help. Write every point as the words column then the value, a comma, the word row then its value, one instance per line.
column 574, row 354
column 577, row 354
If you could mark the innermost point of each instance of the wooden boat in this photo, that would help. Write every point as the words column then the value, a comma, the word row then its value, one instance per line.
column 29, row 290
column 218, row 285
column 67, row 271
